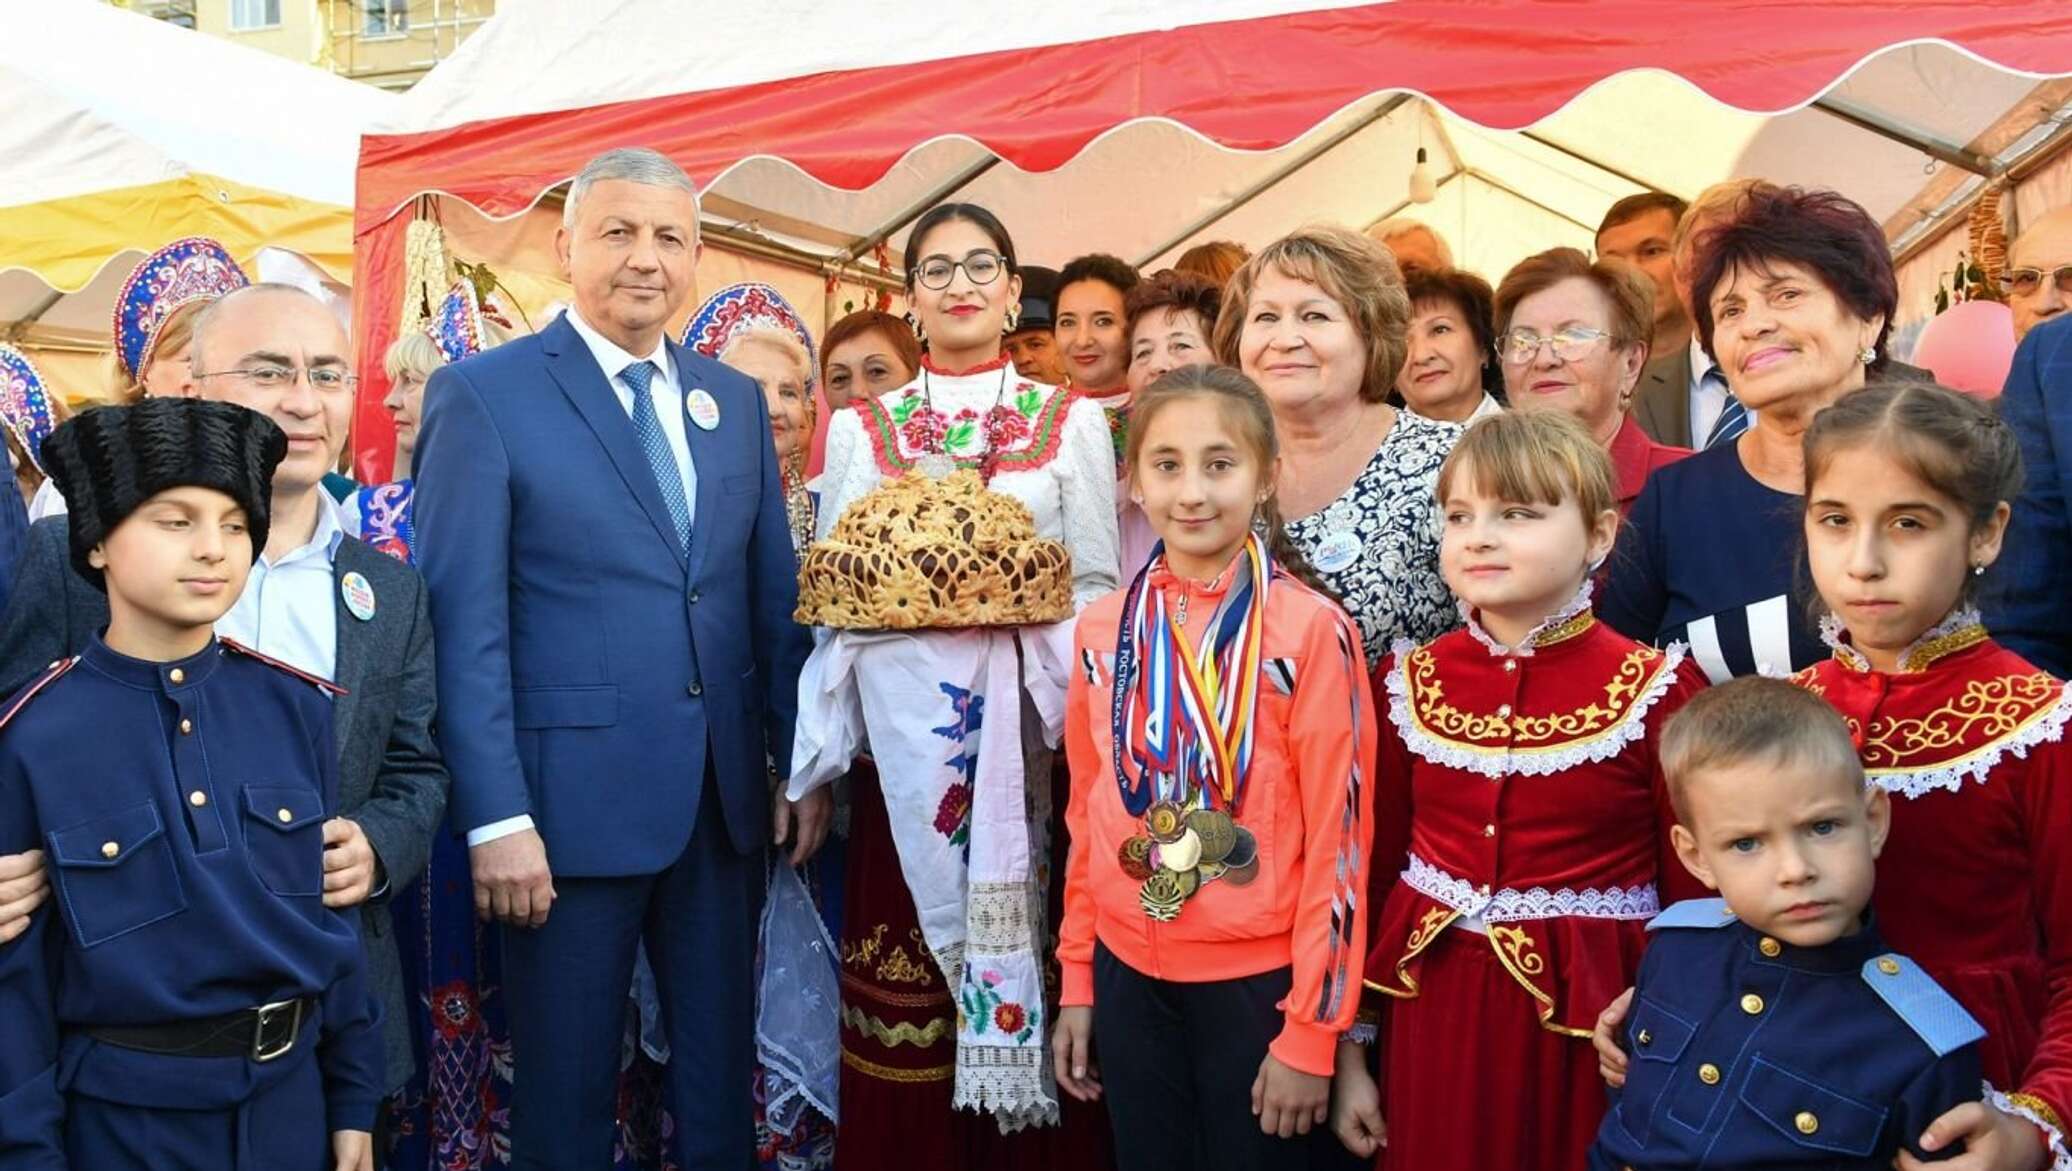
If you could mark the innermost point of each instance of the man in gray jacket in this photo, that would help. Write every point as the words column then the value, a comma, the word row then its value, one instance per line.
column 317, row 599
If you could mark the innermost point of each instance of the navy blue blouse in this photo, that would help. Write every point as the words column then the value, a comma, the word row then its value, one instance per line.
column 1711, row 557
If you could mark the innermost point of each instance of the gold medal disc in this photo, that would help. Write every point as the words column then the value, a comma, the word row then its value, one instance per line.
column 1217, row 833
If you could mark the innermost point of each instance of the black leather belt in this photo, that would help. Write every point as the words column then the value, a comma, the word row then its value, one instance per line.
column 264, row 1033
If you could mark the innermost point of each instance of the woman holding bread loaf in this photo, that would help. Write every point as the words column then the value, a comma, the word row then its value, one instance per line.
column 963, row 519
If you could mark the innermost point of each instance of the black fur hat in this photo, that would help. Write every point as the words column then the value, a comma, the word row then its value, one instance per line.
column 109, row 460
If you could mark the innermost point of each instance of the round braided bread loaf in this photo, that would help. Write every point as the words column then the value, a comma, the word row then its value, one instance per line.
column 920, row 553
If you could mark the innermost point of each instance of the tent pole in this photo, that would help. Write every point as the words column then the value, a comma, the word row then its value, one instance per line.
column 1587, row 161
column 19, row 328
column 1485, row 177
column 1899, row 132
column 913, row 211
column 1276, row 176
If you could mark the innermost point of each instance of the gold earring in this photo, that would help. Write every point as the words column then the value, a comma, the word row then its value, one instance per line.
column 1014, row 316
column 1867, row 355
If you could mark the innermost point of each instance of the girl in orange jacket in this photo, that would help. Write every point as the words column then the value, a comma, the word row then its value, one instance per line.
column 1221, row 737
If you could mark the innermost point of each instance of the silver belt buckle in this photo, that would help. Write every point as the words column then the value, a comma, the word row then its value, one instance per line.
column 267, row 1014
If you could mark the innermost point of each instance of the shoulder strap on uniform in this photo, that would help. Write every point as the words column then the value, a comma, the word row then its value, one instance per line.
column 28, row 692
column 1701, row 913
column 1933, row 1014
column 322, row 683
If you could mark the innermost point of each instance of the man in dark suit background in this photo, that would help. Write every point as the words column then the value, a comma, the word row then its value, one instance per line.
column 612, row 581
column 318, row 600
column 2023, row 599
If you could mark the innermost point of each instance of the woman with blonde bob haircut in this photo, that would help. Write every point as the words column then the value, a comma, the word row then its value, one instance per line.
column 1320, row 320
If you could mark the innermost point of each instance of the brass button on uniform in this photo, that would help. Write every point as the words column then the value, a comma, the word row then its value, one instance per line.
column 1889, row 966
column 1510, row 664
column 1752, row 1004
column 176, row 675
column 1770, row 947
column 1643, row 1037
column 110, row 849
column 197, row 798
column 1489, row 831
column 186, row 727
column 1709, row 1074
column 1806, row 1122
column 284, row 815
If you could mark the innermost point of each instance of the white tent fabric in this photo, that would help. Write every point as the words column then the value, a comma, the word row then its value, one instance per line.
column 1149, row 189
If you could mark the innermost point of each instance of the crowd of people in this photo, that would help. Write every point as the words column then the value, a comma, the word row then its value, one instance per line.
column 1607, row 717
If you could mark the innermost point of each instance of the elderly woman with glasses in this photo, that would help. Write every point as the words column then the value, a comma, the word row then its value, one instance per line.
column 1573, row 337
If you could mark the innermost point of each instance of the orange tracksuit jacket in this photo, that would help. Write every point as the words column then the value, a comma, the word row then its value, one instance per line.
column 1307, row 802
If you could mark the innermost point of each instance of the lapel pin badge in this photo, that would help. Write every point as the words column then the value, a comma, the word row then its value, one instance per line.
column 704, row 409
column 358, row 595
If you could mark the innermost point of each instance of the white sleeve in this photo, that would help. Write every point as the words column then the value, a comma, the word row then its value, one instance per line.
column 848, row 473
column 1085, row 468
column 483, row 834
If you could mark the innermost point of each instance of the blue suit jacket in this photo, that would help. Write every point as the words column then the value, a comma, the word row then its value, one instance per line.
column 587, row 667
column 2023, row 600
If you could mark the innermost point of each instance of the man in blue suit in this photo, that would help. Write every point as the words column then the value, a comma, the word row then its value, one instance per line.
column 612, row 585
column 2024, row 595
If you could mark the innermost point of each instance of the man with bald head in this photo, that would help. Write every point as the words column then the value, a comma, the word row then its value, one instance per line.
column 2038, row 280
column 317, row 600
column 1414, row 244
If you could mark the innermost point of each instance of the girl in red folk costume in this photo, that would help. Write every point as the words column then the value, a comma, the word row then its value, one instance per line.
column 1907, row 499
column 1213, row 928
column 1521, row 826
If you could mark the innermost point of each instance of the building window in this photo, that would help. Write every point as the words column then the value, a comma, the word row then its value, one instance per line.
column 251, row 14
column 386, row 17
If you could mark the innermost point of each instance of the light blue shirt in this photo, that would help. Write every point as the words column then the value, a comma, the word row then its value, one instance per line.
column 288, row 610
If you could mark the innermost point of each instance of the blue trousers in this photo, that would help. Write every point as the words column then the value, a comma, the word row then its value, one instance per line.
column 279, row 1128
column 566, row 985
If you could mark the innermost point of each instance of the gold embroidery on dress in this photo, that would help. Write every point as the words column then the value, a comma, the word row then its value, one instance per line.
column 1435, row 921
column 1565, row 631
column 1521, row 957
column 898, row 969
column 857, row 986
column 1593, row 721
column 886, row 1073
column 863, row 952
column 1942, row 647
column 1985, row 713
column 903, row 1033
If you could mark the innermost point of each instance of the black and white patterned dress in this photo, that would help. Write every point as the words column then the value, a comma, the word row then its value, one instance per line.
column 1377, row 546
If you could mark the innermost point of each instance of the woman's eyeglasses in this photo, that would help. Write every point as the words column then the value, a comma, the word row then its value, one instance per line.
column 982, row 267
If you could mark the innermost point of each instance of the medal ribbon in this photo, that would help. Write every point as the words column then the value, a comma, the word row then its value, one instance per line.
column 1188, row 719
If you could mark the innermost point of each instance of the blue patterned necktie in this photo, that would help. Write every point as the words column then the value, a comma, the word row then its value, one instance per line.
column 647, row 427
column 1733, row 417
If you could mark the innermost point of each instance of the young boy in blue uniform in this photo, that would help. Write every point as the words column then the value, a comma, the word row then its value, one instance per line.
column 1771, row 1027
column 185, row 1002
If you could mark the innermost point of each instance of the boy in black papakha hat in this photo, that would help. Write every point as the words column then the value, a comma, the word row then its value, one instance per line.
column 186, row 1001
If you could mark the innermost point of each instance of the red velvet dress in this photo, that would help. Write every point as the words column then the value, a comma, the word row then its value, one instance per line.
column 1520, row 837
column 1975, row 882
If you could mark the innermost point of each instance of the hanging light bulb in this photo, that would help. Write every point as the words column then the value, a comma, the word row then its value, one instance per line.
column 1422, row 188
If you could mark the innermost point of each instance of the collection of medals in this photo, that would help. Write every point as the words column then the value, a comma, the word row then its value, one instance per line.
column 1180, row 851
column 1186, row 719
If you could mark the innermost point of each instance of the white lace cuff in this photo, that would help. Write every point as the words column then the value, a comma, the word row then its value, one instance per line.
column 2038, row 1112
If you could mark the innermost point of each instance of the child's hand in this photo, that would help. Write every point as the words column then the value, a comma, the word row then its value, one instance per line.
column 1992, row 1141
column 1611, row 1056
column 1356, row 1104
column 1287, row 1101
column 24, row 884
column 354, row 1150
column 1072, row 1053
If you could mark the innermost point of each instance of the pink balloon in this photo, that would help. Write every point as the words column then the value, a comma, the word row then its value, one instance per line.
column 1969, row 348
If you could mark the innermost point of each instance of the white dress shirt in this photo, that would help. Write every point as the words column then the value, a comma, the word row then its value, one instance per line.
column 1707, row 399
column 665, row 388
column 287, row 611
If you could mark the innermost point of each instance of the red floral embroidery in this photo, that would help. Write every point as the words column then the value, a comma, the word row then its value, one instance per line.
column 923, row 430
column 1005, row 428
column 1009, row 1017
column 952, row 817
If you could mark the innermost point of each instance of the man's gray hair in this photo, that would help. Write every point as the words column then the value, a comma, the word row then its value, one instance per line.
column 205, row 321
column 632, row 164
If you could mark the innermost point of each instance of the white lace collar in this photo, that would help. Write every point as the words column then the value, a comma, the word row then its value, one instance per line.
column 1920, row 654
column 1524, row 650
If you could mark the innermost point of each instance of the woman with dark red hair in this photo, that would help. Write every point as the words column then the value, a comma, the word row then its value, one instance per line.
column 1794, row 294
